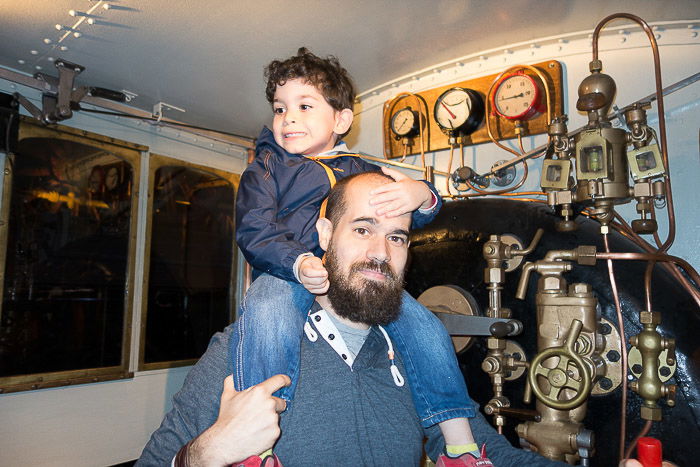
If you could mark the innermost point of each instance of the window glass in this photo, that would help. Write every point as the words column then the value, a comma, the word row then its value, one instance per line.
column 63, row 304
column 191, row 276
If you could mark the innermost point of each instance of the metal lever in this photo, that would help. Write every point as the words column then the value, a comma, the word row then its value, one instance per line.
column 464, row 325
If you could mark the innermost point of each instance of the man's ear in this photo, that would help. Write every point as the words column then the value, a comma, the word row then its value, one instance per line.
column 343, row 120
column 324, row 227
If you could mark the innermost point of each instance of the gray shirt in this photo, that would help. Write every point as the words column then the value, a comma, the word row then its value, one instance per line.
column 341, row 415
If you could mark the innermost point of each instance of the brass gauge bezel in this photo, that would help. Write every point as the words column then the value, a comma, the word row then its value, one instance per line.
column 464, row 116
column 405, row 128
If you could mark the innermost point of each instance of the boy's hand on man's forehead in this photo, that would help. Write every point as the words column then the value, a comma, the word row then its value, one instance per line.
column 403, row 196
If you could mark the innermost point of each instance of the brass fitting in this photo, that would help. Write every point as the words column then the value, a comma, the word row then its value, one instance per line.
column 649, row 386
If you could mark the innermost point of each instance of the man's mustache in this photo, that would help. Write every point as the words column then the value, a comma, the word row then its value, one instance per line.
column 375, row 266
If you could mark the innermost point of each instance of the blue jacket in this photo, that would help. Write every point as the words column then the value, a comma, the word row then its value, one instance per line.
column 278, row 204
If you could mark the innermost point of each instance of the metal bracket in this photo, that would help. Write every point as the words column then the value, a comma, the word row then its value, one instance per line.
column 160, row 106
column 59, row 95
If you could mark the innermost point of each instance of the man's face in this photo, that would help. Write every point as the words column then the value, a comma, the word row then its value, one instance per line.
column 304, row 122
column 366, row 256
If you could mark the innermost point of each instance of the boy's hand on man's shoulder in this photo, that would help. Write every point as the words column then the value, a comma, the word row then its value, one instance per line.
column 403, row 196
column 313, row 275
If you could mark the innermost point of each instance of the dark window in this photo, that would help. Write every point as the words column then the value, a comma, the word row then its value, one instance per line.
column 64, row 304
column 191, row 278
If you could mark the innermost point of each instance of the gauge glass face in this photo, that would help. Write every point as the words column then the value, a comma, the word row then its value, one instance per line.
column 453, row 109
column 403, row 122
column 515, row 96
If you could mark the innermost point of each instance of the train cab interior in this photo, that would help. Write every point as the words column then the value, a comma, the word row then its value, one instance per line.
column 562, row 136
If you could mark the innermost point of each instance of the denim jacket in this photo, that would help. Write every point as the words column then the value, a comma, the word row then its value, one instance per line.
column 278, row 203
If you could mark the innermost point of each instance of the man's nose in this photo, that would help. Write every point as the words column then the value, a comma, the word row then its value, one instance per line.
column 378, row 250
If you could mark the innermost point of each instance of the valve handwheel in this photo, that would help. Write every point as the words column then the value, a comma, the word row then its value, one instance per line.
column 561, row 377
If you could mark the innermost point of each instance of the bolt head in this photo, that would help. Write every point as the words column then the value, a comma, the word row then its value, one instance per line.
column 552, row 283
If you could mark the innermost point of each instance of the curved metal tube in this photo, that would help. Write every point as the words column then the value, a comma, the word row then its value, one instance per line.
column 662, row 116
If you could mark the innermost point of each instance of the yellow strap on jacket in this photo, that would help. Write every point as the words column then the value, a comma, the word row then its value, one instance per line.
column 329, row 174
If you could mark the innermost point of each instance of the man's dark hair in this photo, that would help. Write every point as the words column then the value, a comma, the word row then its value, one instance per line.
column 325, row 74
column 336, row 203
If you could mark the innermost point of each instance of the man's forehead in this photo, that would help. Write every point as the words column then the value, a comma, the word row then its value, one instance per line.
column 358, row 207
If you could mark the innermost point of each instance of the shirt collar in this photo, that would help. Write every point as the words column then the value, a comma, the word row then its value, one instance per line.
column 338, row 148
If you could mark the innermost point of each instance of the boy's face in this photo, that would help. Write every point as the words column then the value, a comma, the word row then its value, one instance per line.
column 304, row 122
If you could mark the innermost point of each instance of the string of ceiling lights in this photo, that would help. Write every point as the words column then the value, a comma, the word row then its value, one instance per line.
column 65, row 33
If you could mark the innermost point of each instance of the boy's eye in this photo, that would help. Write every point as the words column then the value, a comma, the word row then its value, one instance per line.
column 305, row 107
column 278, row 110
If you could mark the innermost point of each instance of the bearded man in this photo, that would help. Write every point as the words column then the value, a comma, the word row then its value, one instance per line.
column 351, row 405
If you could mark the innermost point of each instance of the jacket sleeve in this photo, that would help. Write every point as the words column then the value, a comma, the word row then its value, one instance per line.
column 418, row 218
column 423, row 218
column 267, row 245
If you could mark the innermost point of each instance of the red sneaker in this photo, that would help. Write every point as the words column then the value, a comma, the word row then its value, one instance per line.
column 256, row 461
column 465, row 460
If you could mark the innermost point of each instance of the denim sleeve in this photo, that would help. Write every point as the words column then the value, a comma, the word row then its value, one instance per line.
column 195, row 406
column 498, row 449
column 267, row 245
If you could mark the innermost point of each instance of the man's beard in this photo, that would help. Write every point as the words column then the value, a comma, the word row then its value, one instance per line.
column 371, row 302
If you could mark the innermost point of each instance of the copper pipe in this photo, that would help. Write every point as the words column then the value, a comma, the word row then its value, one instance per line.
column 626, row 230
column 645, row 429
column 653, row 257
column 662, row 116
column 623, row 350
column 647, row 283
column 449, row 170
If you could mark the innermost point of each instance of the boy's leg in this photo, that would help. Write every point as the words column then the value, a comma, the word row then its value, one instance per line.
column 267, row 335
column 437, row 384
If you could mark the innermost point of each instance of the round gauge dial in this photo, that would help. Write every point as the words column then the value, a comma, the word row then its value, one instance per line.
column 517, row 97
column 405, row 123
column 459, row 111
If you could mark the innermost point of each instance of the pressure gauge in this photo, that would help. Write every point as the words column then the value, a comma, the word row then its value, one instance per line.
column 517, row 97
column 459, row 111
column 405, row 123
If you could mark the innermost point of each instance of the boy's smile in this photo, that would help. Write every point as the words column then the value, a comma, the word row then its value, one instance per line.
column 304, row 122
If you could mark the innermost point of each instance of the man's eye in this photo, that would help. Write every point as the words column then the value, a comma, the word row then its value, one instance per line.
column 397, row 239
column 361, row 231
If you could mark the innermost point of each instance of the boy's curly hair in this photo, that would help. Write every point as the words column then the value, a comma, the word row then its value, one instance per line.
column 325, row 74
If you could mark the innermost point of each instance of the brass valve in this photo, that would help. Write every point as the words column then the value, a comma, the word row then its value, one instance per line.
column 650, row 344
column 563, row 375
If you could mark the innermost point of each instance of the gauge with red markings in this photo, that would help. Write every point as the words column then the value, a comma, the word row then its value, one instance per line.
column 517, row 97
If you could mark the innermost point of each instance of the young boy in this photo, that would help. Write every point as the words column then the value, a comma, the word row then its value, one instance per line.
column 279, row 200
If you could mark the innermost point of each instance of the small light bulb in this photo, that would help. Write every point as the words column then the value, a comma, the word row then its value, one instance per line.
column 59, row 27
column 71, row 12
column 47, row 41
column 21, row 62
column 64, row 48
column 106, row 6
column 91, row 20
column 38, row 67
column 34, row 52
column 51, row 59
column 77, row 34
